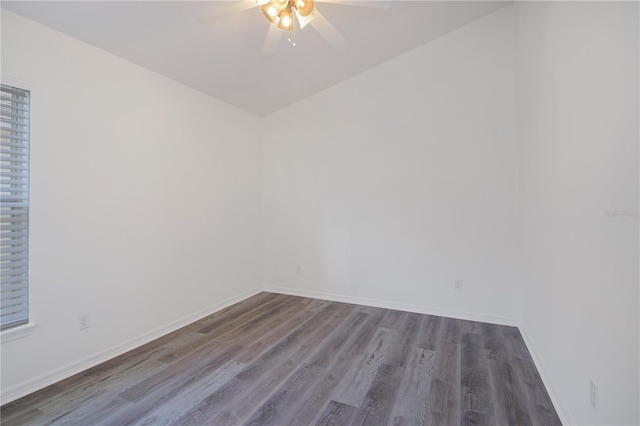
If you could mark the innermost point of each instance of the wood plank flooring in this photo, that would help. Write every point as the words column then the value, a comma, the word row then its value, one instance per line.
column 283, row 360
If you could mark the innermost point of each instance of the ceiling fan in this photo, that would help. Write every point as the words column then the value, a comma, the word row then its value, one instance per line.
column 283, row 15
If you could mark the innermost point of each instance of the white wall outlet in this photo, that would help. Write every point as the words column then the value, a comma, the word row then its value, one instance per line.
column 593, row 394
column 84, row 321
column 458, row 286
column 298, row 269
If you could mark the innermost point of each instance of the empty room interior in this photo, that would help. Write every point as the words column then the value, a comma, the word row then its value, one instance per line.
column 330, row 212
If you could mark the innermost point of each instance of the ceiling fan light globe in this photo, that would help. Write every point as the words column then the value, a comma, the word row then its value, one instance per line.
column 279, row 5
column 304, row 7
column 286, row 20
column 269, row 12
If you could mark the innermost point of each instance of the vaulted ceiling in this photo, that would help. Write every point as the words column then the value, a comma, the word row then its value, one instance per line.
column 223, row 58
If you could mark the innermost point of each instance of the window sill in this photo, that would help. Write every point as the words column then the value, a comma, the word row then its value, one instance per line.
column 17, row 332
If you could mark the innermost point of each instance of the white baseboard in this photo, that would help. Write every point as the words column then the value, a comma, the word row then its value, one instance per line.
column 558, row 402
column 470, row 316
column 49, row 378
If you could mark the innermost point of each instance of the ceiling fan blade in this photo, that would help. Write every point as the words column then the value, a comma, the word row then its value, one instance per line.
column 375, row 4
column 236, row 7
column 328, row 31
column 272, row 41
column 304, row 20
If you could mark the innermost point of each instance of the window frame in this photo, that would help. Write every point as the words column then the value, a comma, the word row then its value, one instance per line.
column 23, row 327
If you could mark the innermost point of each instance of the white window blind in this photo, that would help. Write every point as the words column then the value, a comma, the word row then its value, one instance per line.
column 14, row 206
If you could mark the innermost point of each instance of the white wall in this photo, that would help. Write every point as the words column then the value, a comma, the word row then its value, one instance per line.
column 145, row 200
column 578, row 124
column 389, row 187
column 385, row 189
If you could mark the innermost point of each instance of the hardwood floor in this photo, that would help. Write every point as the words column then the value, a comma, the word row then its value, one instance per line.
column 282, row 360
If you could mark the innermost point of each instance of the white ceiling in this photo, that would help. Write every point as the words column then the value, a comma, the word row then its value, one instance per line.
column 222, row 58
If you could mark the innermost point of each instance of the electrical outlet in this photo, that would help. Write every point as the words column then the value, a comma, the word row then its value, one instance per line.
column 593, row 394
column 84, row 321
column 298, row 269
column 458, row 285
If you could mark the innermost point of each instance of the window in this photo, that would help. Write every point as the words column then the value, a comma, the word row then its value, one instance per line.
column 14, row 206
